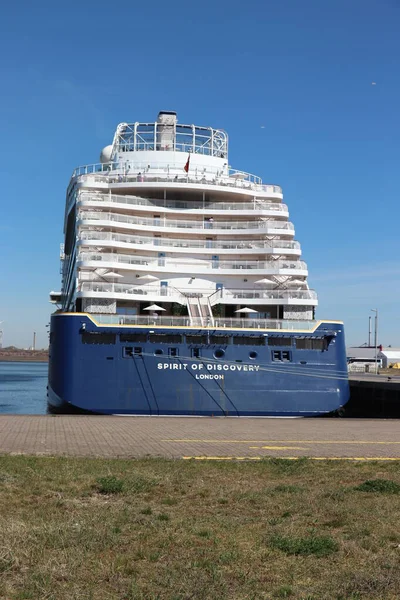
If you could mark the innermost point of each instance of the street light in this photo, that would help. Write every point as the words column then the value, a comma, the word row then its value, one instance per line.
column 375, row 310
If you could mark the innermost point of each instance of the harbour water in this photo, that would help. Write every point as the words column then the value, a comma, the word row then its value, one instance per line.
column 23, row 388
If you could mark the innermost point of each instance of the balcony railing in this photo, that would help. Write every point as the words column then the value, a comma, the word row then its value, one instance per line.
column 144, row 290
column 183, row 224
column 170, row 173
column 275, row 294
column 160, row 321
column 203, row 244
column 256, row 205
column 187, row 263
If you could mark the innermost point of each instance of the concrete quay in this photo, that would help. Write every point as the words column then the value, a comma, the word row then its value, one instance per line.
column 374, row 395
column 199, row 438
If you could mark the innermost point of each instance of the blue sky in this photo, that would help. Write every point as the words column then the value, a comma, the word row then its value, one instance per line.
column 291, row 82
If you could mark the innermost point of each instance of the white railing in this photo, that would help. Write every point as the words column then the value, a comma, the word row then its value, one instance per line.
column 185, row 263
column 273, row 295
column 143, row 290
column 84, row 198
column 170, row 173
column 161, row 321
column 204, row 244
column 157, row 136
column 183, row 224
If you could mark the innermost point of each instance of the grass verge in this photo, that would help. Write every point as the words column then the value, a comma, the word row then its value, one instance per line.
column 155, row 529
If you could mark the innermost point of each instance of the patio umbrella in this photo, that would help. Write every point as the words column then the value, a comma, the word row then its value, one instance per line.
column 112, row 274
column 148, row 277
column 265, row 280
column 154, row 307
column 246, row 309
column 104, row 273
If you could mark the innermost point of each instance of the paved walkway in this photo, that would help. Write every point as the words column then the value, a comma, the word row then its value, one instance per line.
column 217, row 438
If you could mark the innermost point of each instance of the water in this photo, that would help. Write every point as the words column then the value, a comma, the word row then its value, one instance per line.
column 23, row 388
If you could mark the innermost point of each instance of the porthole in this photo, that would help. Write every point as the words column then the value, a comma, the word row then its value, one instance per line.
column 158, row 352
column 219, row 353
column 253, row 354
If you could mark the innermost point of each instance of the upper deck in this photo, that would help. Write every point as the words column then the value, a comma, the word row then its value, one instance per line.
column 165, row 152
column 164, row 186
column 166, row 135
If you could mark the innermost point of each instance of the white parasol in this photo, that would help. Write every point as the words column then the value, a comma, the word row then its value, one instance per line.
column 265, row 280
column 154, row 307
column 148, row 277
column 112, row 274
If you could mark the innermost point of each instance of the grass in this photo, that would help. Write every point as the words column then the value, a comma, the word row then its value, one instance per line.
column 94, row 529
column 109, row 485
column 318, row 545
column 380, row 486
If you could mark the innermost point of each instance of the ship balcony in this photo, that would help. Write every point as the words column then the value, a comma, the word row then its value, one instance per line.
column 157, row 293
column 101, row 219
column 189, row 265
column 161, row 175
column 55, row 297
column 112, row 201
column 201, row 246
column 225, row 322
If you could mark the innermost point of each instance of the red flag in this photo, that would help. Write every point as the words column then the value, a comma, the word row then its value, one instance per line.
column 186, row 167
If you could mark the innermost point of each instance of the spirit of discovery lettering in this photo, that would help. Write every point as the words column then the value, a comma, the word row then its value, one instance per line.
column 172, row 366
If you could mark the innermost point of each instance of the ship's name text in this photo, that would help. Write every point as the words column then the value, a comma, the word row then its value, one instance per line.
column 173, row 366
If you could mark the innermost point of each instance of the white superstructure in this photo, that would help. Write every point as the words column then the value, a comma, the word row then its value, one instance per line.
column 164, row 220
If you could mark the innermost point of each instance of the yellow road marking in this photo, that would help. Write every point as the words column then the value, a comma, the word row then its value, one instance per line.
column 246, row 458
column 278, row 448
column 282, row 442
column 221, row 457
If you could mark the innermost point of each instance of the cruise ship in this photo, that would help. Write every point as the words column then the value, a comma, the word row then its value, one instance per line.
column 183, row 289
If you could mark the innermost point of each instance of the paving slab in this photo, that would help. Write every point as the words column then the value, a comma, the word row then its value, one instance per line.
column 199, row 438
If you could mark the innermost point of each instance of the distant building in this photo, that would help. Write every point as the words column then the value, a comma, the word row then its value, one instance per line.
column 361, row 359
column 389, row 357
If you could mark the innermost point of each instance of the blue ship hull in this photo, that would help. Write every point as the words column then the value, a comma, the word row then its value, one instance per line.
column 111, row 369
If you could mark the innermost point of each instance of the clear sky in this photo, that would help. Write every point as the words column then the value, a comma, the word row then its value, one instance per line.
column 308, row 90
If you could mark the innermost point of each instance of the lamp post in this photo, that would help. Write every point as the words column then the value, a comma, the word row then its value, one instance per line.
column 375, row 310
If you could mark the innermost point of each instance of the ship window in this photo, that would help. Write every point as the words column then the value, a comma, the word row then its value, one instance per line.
column 165, row 338
column 133, row 337
column 248, row 340
column 286, row 355
column 98, row 338
column 280, row 341
column 196, row 339
column 311, row 343
column 219, row 353
column 127, row 352
column 173, row 351
column 276, row 355
column 219, row 339
column 137, row 350
column 253, row 354
column 158, row 352
column 195, row 352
